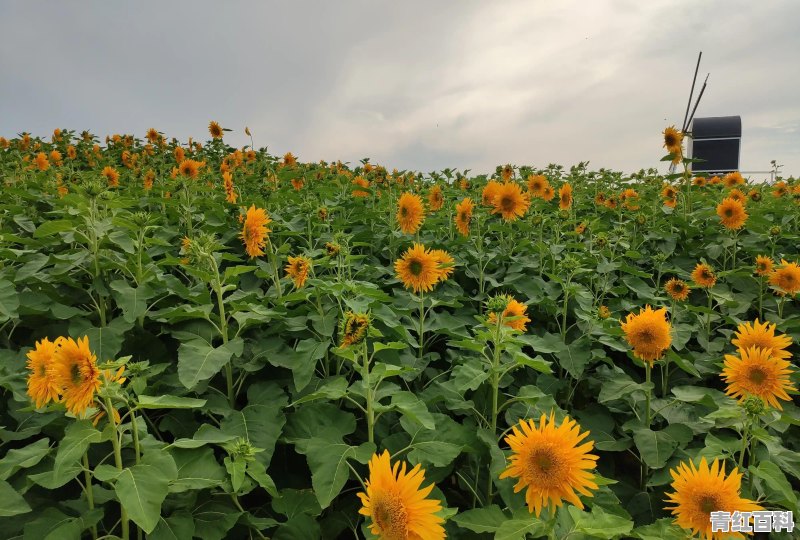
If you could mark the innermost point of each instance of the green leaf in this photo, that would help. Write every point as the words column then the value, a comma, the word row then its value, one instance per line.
column 436, row 453
column 52, row 227
column 132, row 300
column 663, row 529
column 519, row 529
column 197, row 469
column 236, row 470
column 141, row 489
column 169, row 402
column 261, row 425
column 11, row 502
column 178, row 526
column 481, row 520
column 302, row 360
column 198, row 361
column 413, row 408
column 214, row 520
column 23, row 458
column 599, row 524
column 468, row 376
column 655, row 447
column 394, row 345
column 9, row 301
column 329, row 468
column 77, row 438
column 778, row 487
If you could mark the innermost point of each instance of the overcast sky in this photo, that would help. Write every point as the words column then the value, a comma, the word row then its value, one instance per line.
column 411, row 84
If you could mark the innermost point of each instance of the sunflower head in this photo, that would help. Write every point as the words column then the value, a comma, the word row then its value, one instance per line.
column 703, row 275
column 510, row 202
column 550, row 463
column 297, row 269
column 732, row 179
column 215, row 130
column 786, row 278
column 254, row 231
column 354, row 328
column 190, row 168
column 42, row 385
column 435, row 198
column 565, row 197
column 756, row 372
column 732, row 213
column 512, row 312
column 673, row 140
column 763, row 265
column 699, row 181
column 762, row 335
column 648, row 332
column 463, row 217
column 536, row 185
column 75, row 372
column 677, row 289
column 489, row 192
column 603, row 312
column 410, row 212
column 419, row 269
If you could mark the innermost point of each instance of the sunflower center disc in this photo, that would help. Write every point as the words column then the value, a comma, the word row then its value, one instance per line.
column 391, row 516
column 415, row 267
column 708, row 503
column 75, row 374
column 757, row 375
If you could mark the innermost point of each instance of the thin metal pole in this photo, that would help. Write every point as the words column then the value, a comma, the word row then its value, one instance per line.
column 699, row 97
column 691, row 92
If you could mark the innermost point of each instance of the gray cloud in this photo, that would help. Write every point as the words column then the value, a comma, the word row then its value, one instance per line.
column 416, row 85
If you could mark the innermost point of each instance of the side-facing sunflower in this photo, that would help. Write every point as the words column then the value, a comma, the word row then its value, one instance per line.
column 549, row 462
column 703, row 275
column 489, row 192
column 648, row 332
column 446, row 263
column 786, row 278
column 112, row 176
column 536, row 185
column 354, row 328
column 565, row 197
column 297, row 269
column 733, row 179
column 254, row 232
column 463, row 217
column 76, row 373
column 677, row 289
column 42, row 385
column 397, row 505
column 763, row 265
column 698, row 491
column 732, row 213
column 510, row 202
column 762, row 335
column 410, row 212
column 419, row 269
column 435, row 198
column 757, row 372
column 514, row 310
column 548, row 193
column 215, row 130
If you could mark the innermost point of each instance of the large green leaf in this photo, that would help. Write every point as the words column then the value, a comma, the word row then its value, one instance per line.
column 178, row 526
column 197, row 469
column 329, row 468
column 141, row 489
column 11, row 502
column 23, row 458
column 77, row 438
column 655, row 447
column 9, row 301
column 169, row 402
column 481, row 520
column 132, row 300
column 198, row 361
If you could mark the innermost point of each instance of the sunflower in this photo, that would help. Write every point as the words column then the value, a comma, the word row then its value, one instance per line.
column 732, row 213
column 550, row 463
column 179, row 154
column 669, row 191
column 55, row 157
column 600, row 199
column 757, row 372
column 565, row 197
column 445, row 261
column 611, row 202
column 354, row 328
column 677, row 289
column 780, row 189
column 190, row 167
column 786, row 278
column 298, row 183
column 536, row 185
column 362, row 182
column 75, row 372
column 289, row 159
column 112, row 176
column 702, row 490
column 435, row 198
column 737, row 195
column 763, row 336
column 418, row 269
column 630, row 199
column 397, row 506
column 580, row 228
column 671, row 203
column 153, row 135
column 72, row 152
column 215, row 130
column 763, row 265
column 703, row 275
column 297, row 269
column 489, row 192
column 254, row 233
column 754, row 195
column 673, row 140
column 548, row 193
column 510, row 202
column 41, row 161
column 603, row 312
column 699, row 181
column 715, row 180
column 514, row 309
column 464, row 216
column 230, row 192
column 42, row 386
column 648, row 333
column 410, row 212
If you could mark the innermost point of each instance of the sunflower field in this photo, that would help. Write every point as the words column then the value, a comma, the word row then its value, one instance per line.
column 202, row 341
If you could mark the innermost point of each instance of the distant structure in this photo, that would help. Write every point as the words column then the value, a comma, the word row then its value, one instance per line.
column 717, row 141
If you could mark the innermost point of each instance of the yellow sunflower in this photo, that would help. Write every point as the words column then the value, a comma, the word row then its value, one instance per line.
column 42, row 386
column 254, row 232
column 763, row 265
column 435, row 198
column 354, row 328
column 630, row 199
column 464, row 216
column 763, row 336
column 361, row 182
column 548, row 193
column 289, row 159
column 786, row 278
column 396, row 504
column 446, row 263
column 669, row 191
column 737, row 195
column 215, row 130
column 297, row 269
column 703, row 275
column 549, row 462
column 757, row 372
column 489, row 192
column 603, row 312
column 699, row 181
column 112, row 176
column 190, row 167
column 732, row 179
column 230, row 192
column 732, row 213
column 418, row 269
column 507, row 173
column 536, row 185
column 702, row 490
column 510, row 202
column 514, row 309
column 75, row 372
column 673, row 140
column 565, row 197
column 677, row 289
column 410, row 212
column 648, row 332
column 780, row 189
column 41, row 161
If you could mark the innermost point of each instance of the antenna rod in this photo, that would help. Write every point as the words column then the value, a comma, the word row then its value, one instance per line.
column 699, row 96
column 691, row 93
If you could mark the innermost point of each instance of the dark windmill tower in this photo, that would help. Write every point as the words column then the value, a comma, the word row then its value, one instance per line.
column 717, row 142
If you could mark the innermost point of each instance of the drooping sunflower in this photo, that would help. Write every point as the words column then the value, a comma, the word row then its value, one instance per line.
column 489, row 192
column 603, row 312
column 677, row 289
column 669, row 191
column 230, row 192
column 763, row 265
column 510, row 202
column 671, row 203
column 565, row 197
column 397, row 505
column 648, row 332
column 703, row 275
column 673, row 140
column 42, row 385
column 254, row 232
column 72, row 152
column 464, row 216
column 514, row 309
column 763, row 336
column 112, row 176
column 732, row 213
column 757, row 372
column 354, row 328
column 786, row 278
column 536, row 185
column 410, row 212
column 435, row 198
column 418, row 269
column 549, row 462
column 297, row 270
column 75, row 372
column 702, row 490
column 215, row 130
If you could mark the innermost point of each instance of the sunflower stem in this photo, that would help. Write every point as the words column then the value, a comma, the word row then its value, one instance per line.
column 745, row 437
column 421, row 348
column 87, row 475
column 495, row 390
column 368, row 394
column 118, row 462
